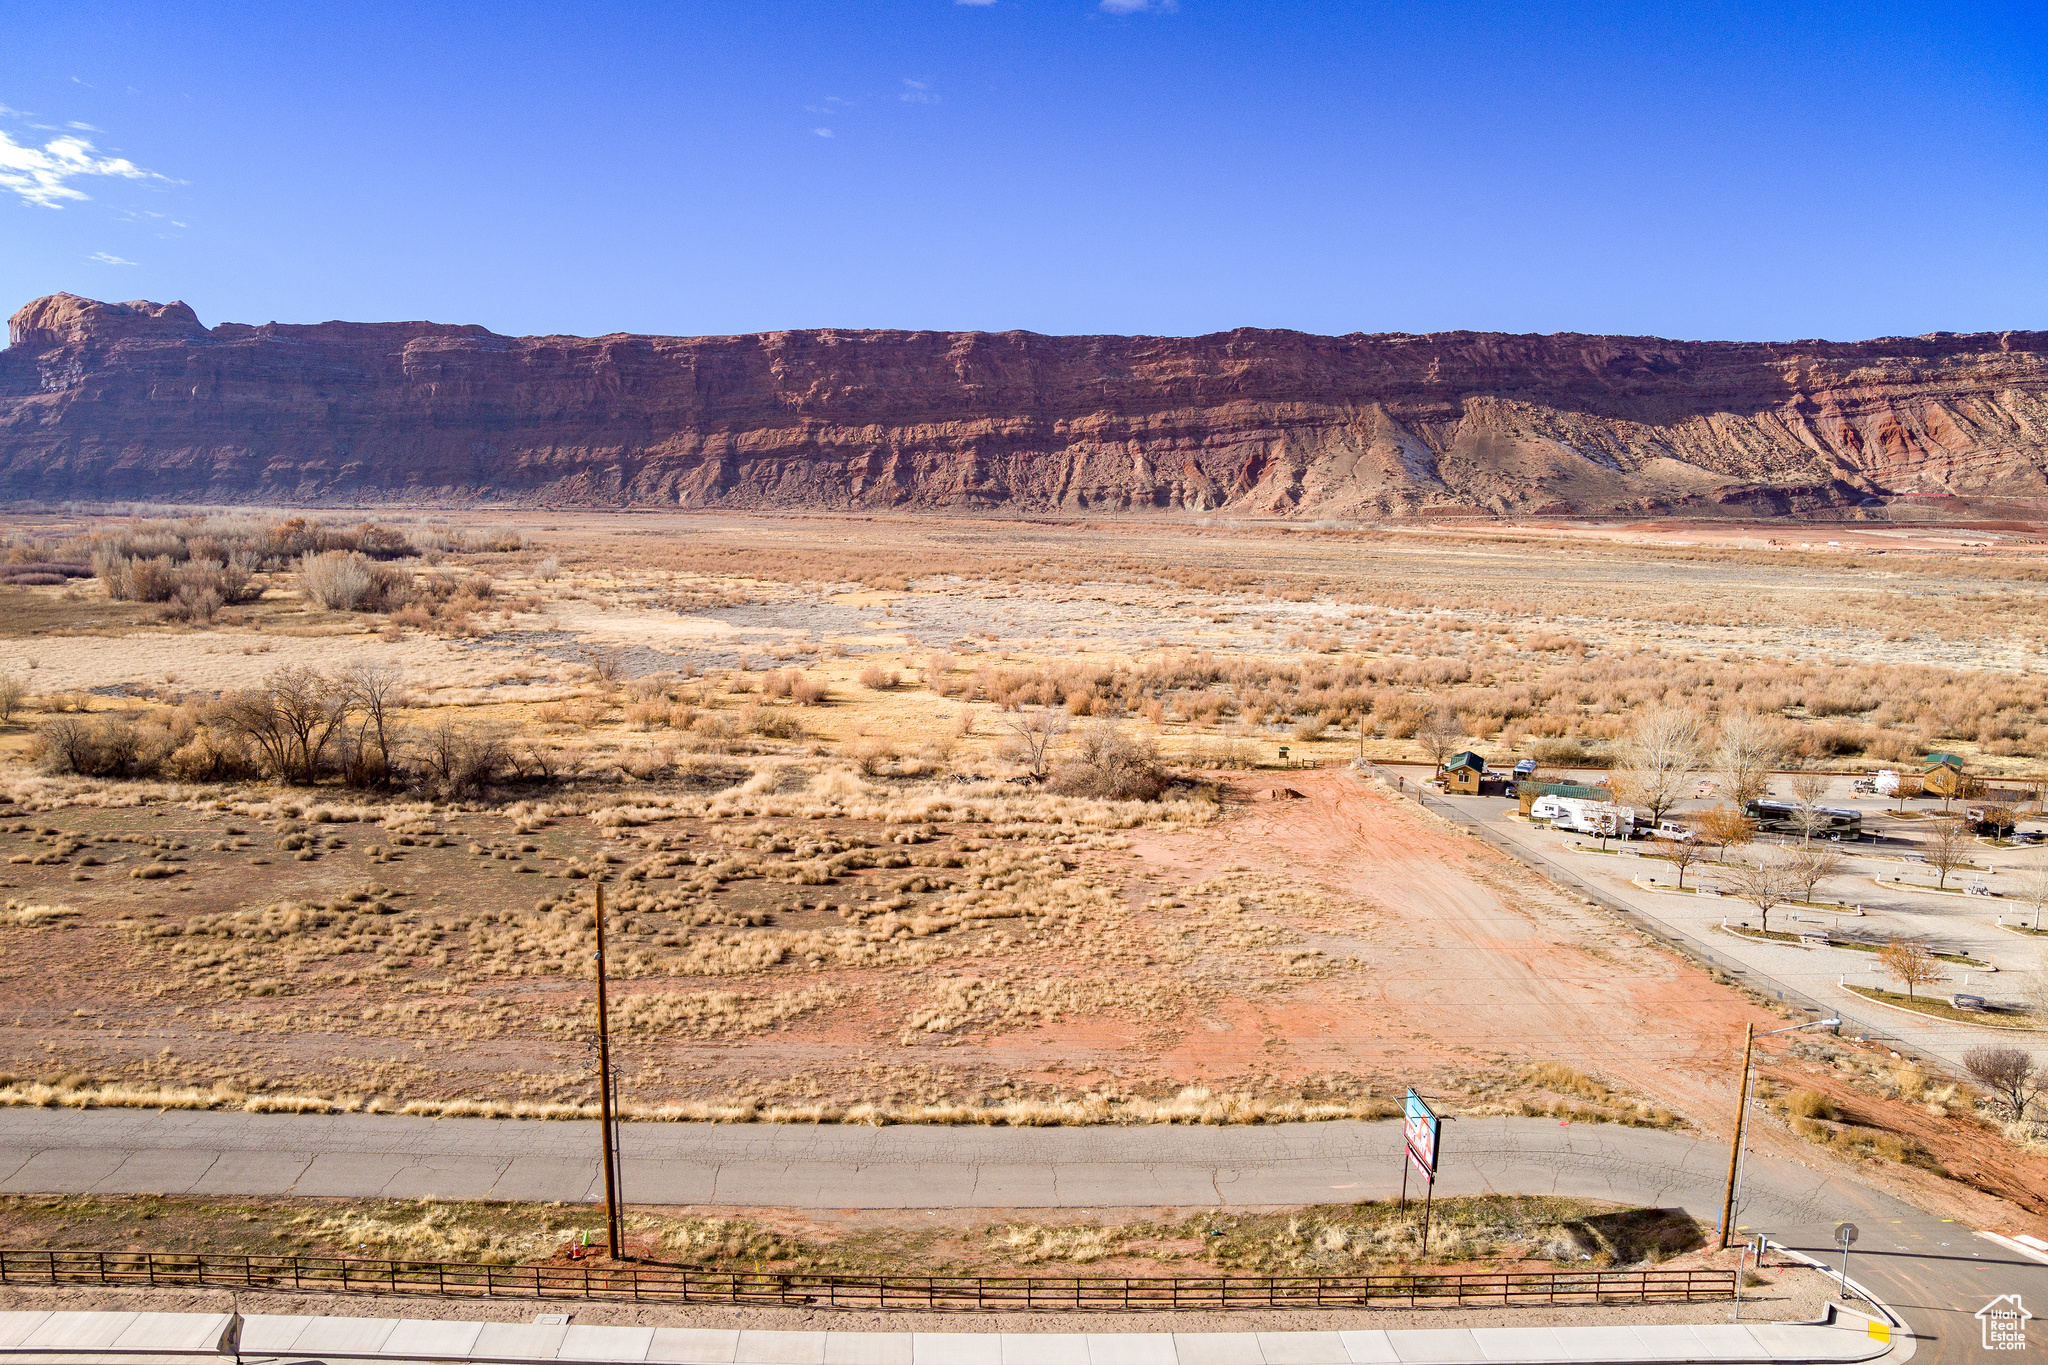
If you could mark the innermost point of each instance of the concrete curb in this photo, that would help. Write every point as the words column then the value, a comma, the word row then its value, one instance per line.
column 140, row 1337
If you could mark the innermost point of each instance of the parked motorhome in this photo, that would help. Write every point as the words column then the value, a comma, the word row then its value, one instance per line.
column 1787, row 817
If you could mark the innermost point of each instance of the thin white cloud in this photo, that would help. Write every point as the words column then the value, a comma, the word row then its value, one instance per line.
column 917, row 92
column 108, row 258
column 977, row 3
column 43, row 175
column 824, row 132
column 76, row 126
column 1141, row 6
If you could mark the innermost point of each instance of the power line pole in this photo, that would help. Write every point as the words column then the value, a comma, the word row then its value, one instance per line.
column 1734, row 1148
column 612, row 1223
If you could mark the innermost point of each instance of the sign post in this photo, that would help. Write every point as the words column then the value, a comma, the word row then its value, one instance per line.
column 1422, row 1133
column 1845, row 1237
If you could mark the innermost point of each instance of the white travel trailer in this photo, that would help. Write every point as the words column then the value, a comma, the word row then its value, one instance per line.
column 1586, row 817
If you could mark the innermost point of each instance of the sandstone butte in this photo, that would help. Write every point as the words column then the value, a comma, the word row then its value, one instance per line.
column 140, row 401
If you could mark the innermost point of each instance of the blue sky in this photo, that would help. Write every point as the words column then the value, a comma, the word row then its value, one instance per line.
column 1710, row 170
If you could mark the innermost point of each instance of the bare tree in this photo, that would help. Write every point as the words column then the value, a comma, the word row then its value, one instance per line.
column 1660, row 760
column 1683, row 854
column 1746, row 752
column 1910, row 964
column 2009, row 1074
column 291, row 720
column 1765, row 881
column 1811, row 864
column 2032, row 888
column 13, row 692
column 374, row 692
column 1949, row 848
column 1439, row 735
column 1036, row 732
column 1808, row 791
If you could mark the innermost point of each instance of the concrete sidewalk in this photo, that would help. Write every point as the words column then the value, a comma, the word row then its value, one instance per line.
column 136, row 1338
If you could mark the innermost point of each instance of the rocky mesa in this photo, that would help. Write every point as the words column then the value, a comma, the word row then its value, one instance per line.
column 141, row 401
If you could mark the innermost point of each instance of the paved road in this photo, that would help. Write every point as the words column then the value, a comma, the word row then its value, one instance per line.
column 785, row 1165
column 1937, row 1273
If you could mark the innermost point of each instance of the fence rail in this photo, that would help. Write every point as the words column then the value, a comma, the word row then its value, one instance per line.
column 676, row 1284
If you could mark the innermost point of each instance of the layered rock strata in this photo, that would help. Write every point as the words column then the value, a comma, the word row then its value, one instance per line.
column 141, row 401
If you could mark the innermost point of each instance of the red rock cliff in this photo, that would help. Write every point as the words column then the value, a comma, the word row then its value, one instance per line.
column 139, row 400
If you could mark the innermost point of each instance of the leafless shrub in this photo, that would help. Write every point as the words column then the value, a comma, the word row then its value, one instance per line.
column 548, row 570
column 870, row 755
column 347, row 580
column 104, row 746
column 460, row 760
column 13, row 691
column 607, row 662
column 1111, row 765
column 2010, row 1074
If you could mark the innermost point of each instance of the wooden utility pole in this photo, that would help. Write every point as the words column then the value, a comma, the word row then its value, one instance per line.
column 612, row 1222
column 1741, row 1122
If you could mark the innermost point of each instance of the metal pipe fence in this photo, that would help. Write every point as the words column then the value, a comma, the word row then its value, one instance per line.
column 646, row 1283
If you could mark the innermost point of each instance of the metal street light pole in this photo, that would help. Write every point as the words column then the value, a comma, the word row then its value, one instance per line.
column 1749, row 1037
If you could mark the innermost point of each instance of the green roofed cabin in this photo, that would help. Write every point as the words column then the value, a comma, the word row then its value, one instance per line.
column 1463, row 773
column 1943, row 776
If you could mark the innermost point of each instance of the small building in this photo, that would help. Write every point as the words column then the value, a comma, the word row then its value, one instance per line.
column 1943, row 776
column 1463, row 773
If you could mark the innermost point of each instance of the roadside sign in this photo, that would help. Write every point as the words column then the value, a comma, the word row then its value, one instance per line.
column 1415, row 1160
column 1845, row 1235
column 1422, row 1130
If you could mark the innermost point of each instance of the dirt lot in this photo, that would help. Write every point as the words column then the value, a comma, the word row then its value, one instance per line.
column 789, row 750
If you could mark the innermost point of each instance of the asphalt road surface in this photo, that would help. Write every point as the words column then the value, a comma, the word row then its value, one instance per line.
column 1937, row 1274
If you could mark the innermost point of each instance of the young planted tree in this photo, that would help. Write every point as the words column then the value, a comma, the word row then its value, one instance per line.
column 1811, row 864
column 2009, row 1074
column 1910, row 964
column 1725, row 827
column 2032, row 889
column 1948, row 847
column 1660, row 760
column 1746, row 751
column 1683, row 853
column 1765, row 881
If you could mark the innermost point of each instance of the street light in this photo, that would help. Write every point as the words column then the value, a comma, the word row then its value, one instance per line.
column 1749, row 1037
